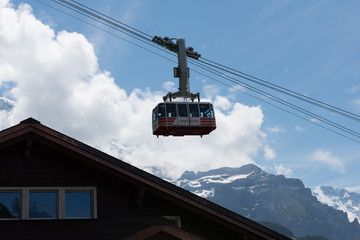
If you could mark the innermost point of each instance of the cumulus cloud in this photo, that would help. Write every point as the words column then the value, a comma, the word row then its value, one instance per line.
column 169, row 86
column 315, row 120
column 275, row 129
column 210, row 91
column 328, row 158
column 55, row 78
column 222, row 103
column 281, row 170
column 269, row 153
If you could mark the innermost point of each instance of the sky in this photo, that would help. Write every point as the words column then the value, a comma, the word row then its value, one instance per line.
column 100, row 89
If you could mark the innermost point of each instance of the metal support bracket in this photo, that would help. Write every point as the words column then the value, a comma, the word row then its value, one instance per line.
column 182, row 71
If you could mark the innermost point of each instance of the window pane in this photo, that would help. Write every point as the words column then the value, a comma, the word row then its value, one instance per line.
column 182, row 110
column 194, row 110
column 161, row 110
column 10, row 204
column 204, row 110
column 78, row 205
column 42, row 205
column 171, row 110
column 155, row 114
column 212, row 111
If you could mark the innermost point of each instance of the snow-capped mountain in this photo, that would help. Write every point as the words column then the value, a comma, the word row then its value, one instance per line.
column 203, row 183
column 6, row 104
column 265, row 197
column 340, row 199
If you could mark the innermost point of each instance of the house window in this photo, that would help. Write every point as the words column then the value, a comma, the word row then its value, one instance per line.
column 48, row 203
column 43, row 204
column 10, row 204
column 78, row 204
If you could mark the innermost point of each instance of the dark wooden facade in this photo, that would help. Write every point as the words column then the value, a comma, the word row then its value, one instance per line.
column 131, row 204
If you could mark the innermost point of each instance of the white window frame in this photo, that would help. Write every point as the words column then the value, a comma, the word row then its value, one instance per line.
column 60, row 200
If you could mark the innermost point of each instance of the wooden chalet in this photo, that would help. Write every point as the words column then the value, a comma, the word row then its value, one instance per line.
column 55, row 187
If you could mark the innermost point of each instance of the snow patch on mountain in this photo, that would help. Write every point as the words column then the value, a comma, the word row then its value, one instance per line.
column 223, row 179
column 219, row 179
column 340, row 199
column 204, row 184
column 205, row 193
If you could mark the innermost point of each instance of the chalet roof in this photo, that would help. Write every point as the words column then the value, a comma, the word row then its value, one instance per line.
column 31, row 129
column 161, row 228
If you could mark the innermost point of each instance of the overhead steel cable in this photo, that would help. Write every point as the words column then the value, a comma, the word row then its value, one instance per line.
column 102, row 19
column 283, row 109
column 122, row 30
column 286, row 91
column 213, row 71
column 112, row 19
column 279, row 100
column 138, row 33
column 114, row 35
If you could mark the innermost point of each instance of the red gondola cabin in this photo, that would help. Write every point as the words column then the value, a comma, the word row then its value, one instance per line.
column 183, row 118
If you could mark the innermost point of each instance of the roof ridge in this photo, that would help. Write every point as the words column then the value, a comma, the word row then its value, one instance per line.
column 30, row 120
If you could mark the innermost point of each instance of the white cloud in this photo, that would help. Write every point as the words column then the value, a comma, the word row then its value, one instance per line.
column 353, row 189
column 315, row 120
column 7, row 73
column 281, row 170
column 4, row 118
column 269, row 153
column 222, row 103
column 210, row 91
column 56, row 79
column 237, row 88
column 275, row 129
column 169, row 86
column 299, row 129
column 353, row 89
column 328, row 158
column 356, row 103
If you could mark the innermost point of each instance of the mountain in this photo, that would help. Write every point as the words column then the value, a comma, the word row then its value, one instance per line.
column 6, row 104
column 340, row 199
column 265, row 197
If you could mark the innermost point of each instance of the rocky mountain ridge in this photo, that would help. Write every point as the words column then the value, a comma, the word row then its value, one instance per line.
column 261, row 196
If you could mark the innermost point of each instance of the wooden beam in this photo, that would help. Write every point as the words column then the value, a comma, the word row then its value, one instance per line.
column 28, row 146
column 140, row 196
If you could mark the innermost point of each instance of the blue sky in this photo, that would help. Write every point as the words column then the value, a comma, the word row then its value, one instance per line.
column 101, row 90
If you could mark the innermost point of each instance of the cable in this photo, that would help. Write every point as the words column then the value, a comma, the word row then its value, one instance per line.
column 117, row 36
column 222, row 67
column 102, row 19
column 122, row 30
column 285, row 91
column 283, row 109
column 112, row 19
column 140, row 36
column 281, row 101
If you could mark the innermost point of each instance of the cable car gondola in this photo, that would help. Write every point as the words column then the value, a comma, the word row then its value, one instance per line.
column 182, row 118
